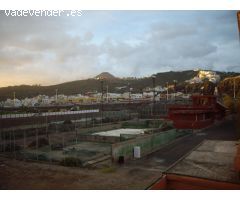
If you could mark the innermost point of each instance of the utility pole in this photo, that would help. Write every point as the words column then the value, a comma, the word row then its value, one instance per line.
column 175, row 84
column 56, row 95
column 129, row 93
column 153, row 85
column 101, row 88
column 14, row 99
column 129, row 99
column 167, row 89
column 101, row 81
column 107, row 93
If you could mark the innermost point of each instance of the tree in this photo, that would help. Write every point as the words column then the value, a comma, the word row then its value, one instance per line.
column 228, row 102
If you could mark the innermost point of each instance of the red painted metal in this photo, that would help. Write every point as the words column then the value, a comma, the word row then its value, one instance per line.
column 237, row 159
column 180, row 182
column 202, row 113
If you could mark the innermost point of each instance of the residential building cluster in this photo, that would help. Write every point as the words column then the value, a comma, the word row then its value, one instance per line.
column 203, row 75
column 89, row 98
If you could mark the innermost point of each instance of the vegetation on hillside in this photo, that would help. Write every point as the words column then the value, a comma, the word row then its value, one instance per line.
column 138, row 84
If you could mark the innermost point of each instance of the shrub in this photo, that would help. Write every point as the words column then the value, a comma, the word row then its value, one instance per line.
column 71, row 162
column 228, row 102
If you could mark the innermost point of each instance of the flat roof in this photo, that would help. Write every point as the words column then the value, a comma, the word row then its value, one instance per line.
column 212, row 159
column 118, row 132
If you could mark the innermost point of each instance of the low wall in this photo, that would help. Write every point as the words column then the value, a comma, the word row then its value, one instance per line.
column 105, row 127
column 98, row 138
column 147, row 143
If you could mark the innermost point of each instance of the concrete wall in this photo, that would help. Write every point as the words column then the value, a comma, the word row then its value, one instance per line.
column 98, row 138
column 105, row 127
column 148, row 144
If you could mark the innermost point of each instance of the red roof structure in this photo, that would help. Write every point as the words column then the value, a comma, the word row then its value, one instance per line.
column 203, row 112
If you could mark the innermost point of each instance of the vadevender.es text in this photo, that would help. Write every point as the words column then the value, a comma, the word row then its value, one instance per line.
column 41, row 13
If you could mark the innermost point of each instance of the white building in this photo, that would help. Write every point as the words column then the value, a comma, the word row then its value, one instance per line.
column 12, row 103
column 136, row 96
column 210, row 75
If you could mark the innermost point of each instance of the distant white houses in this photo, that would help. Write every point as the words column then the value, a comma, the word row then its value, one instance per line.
column 92, row 97
column 194, row 80
column 29, row 102
column 202, row 74
column 12, row 103
column 136, row 96
column 120, row 88
column 160, row 89
column 113, row 96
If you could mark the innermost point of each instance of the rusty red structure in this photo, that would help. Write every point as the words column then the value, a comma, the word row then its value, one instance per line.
column 180, row 182
column 203, row 112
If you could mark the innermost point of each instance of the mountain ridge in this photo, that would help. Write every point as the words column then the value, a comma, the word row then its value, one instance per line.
column 92, row 84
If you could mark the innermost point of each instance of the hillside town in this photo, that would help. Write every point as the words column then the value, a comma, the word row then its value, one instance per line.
column 159, row 92
column 61, row 99
column 203, row 75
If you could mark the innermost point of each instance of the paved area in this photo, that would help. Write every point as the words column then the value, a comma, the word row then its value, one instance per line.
column 161, row 160
column 213, row 159
column 168, row 155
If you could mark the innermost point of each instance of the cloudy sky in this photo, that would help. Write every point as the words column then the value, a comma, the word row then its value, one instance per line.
column 50, row 50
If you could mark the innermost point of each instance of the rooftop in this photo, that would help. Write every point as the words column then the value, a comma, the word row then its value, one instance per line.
column 118, row 132
column 212, row 159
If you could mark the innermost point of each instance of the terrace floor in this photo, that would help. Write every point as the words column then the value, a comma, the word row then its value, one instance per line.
column 213, row 159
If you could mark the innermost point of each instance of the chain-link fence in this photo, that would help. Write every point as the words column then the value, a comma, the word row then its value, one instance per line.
column 67, row 139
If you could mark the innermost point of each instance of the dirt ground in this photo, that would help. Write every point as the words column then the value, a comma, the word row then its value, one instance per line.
column 139, row 174
column 15, row 174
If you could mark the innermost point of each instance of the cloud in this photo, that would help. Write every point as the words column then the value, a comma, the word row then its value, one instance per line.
column 51, row 50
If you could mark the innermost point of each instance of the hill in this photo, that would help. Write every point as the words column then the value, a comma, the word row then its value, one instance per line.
column 105, row 75
column 92, row 85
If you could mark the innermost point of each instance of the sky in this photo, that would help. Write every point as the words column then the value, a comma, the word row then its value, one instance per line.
column 52, row 50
